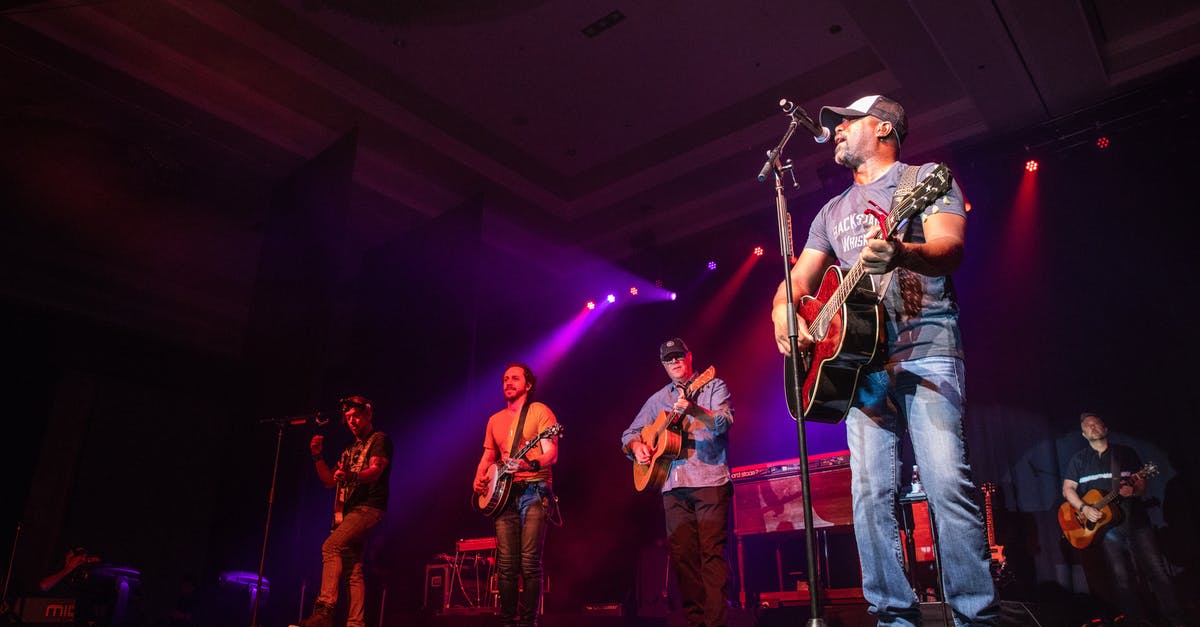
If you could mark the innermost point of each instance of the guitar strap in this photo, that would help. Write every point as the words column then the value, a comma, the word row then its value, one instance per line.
column 908, row 180
column 520, row 430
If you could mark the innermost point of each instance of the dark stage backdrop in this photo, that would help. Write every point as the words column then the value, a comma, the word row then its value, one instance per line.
column 1074, row 296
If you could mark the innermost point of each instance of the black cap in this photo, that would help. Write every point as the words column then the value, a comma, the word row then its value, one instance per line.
column 881, row 107
column 673, row 346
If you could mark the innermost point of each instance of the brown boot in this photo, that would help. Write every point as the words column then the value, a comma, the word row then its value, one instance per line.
column 322, row 616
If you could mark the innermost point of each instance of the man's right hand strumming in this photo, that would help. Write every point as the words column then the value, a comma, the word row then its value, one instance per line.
column 480, row 485
column 641, row 452
column 779, row 318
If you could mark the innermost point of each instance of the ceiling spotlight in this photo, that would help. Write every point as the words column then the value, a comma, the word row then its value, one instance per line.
column 712, row 265
column 633, row 291
column 758, row 251
column 657, row 282
column 673, row 295
column 612, row 298
column 591, row 304
column 1031, row 165
column 1102, row 142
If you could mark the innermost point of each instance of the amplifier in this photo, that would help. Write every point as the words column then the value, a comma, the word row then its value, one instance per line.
column 768, row 498
column 476, row 544
column 438, row 585
column 47, row 610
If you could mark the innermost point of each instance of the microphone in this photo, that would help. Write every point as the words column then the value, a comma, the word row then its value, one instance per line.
column 820, row 133
column 298, row 420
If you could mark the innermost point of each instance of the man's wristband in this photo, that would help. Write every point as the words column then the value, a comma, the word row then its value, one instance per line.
column 535, row 465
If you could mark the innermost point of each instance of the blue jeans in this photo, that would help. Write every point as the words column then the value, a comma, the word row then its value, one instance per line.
column 1130, row 549
column 343, row 551
column 926, row 396
column 520, row 536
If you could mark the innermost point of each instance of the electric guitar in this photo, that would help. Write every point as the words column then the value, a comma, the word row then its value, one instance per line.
column 846, row 319
column 664, row 437
column 1001, row 575
column 1080, row 531
column 500, row 477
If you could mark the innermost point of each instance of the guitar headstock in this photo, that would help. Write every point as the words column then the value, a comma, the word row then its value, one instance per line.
column 551, row 431
column 700, row 380
column 933, row 186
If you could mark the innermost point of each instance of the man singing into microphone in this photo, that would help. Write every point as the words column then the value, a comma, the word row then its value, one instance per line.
column 361, row 479
column 919, row 386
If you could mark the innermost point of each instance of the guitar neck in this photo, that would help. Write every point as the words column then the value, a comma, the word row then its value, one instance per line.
column 991, row 525
column 820, row 324
column 1115, row 494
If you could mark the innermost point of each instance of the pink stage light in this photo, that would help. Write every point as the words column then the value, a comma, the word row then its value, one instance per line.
column 758, row 251
column 591, row 304
column 633, row 291
column 712, row 265
column 673, row 295
column 612, row 298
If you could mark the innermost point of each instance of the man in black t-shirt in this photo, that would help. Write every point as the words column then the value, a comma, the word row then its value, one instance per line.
column 1127, row 544
column 361, row 478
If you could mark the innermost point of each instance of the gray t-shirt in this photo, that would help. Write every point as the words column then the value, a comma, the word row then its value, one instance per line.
column 922, row 313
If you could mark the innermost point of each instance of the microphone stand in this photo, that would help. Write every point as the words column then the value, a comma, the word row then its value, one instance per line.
column 279, row 423
column 262, row 560
column 776, row 166
column 4, row 606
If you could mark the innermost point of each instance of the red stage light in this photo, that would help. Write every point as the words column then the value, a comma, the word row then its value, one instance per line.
column 633, row 291
column 591, row 304
column 1031, row 165
column 1102, row 143
column 758, row 251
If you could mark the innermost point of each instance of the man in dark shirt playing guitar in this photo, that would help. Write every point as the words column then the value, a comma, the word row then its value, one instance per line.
column 1126, row 536
column 361, row 480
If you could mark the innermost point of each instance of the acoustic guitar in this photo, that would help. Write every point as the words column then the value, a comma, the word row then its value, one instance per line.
column 500, row 477
column 349, row 461
column 664, row 437
column 342, row 490
column 846, row 319
column 1080, row 531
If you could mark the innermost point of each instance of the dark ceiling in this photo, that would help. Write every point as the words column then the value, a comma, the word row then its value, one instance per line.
column 594, row 123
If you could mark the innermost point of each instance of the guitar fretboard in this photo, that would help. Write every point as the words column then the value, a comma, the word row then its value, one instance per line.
column 820, row 325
